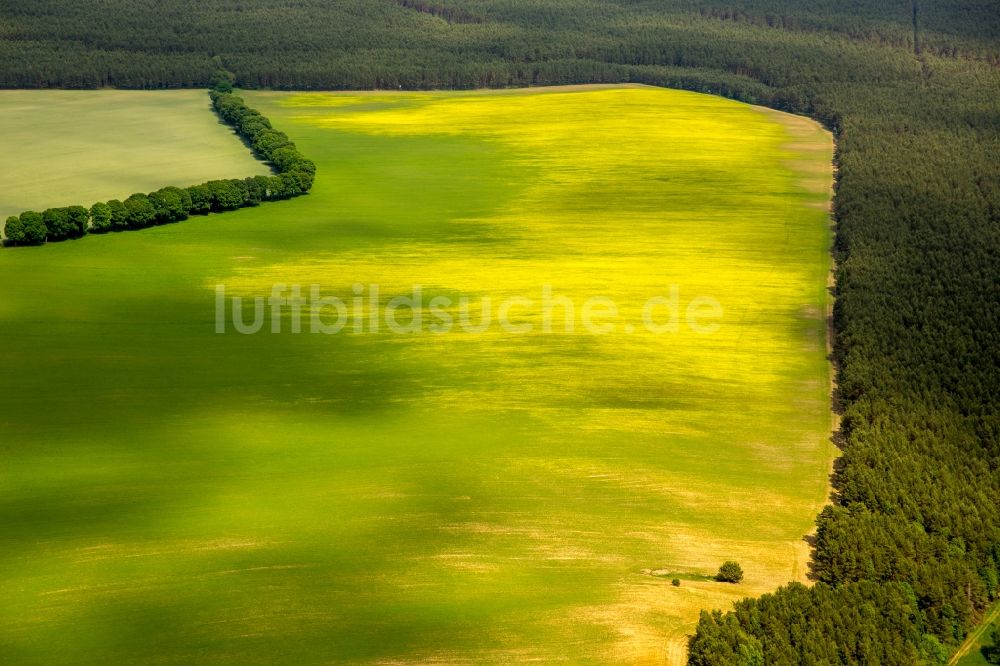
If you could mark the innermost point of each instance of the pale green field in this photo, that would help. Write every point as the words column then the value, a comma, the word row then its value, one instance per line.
column 75, row 147
column 173, row 495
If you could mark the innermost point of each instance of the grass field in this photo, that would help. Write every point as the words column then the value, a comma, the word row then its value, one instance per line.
column 75, row 147
column 971, row 651
column 170, row 494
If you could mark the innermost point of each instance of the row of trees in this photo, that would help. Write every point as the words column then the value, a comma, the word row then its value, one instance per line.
column 31, row 228
column 294, row 176
column 268, row 143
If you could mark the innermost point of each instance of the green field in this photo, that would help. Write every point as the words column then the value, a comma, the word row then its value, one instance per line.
column 971, row 652
column 75, row 147
column 171, row 495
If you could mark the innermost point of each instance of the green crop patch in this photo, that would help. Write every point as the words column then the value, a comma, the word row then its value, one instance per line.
column 461, row 494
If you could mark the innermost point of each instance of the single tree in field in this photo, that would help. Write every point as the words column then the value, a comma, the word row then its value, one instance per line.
column 171, row 203
column 141, row 212
column 223, row 81
column 100, row 215
column 225, row 195
column 119, row 215
column 14, row 230
column 33, row 229
column 730, row 572
column 275, row 188
column 256, row 188
column 270, row 140
column 79, row 220
column 201, row 199
column 58, row 223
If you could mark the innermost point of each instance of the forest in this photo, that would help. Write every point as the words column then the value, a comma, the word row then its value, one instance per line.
column 908, row 557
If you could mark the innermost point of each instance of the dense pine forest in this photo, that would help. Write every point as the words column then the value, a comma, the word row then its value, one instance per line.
column 909, row 556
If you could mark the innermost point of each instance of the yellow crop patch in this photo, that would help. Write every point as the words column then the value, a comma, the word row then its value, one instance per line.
column 568, row 345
